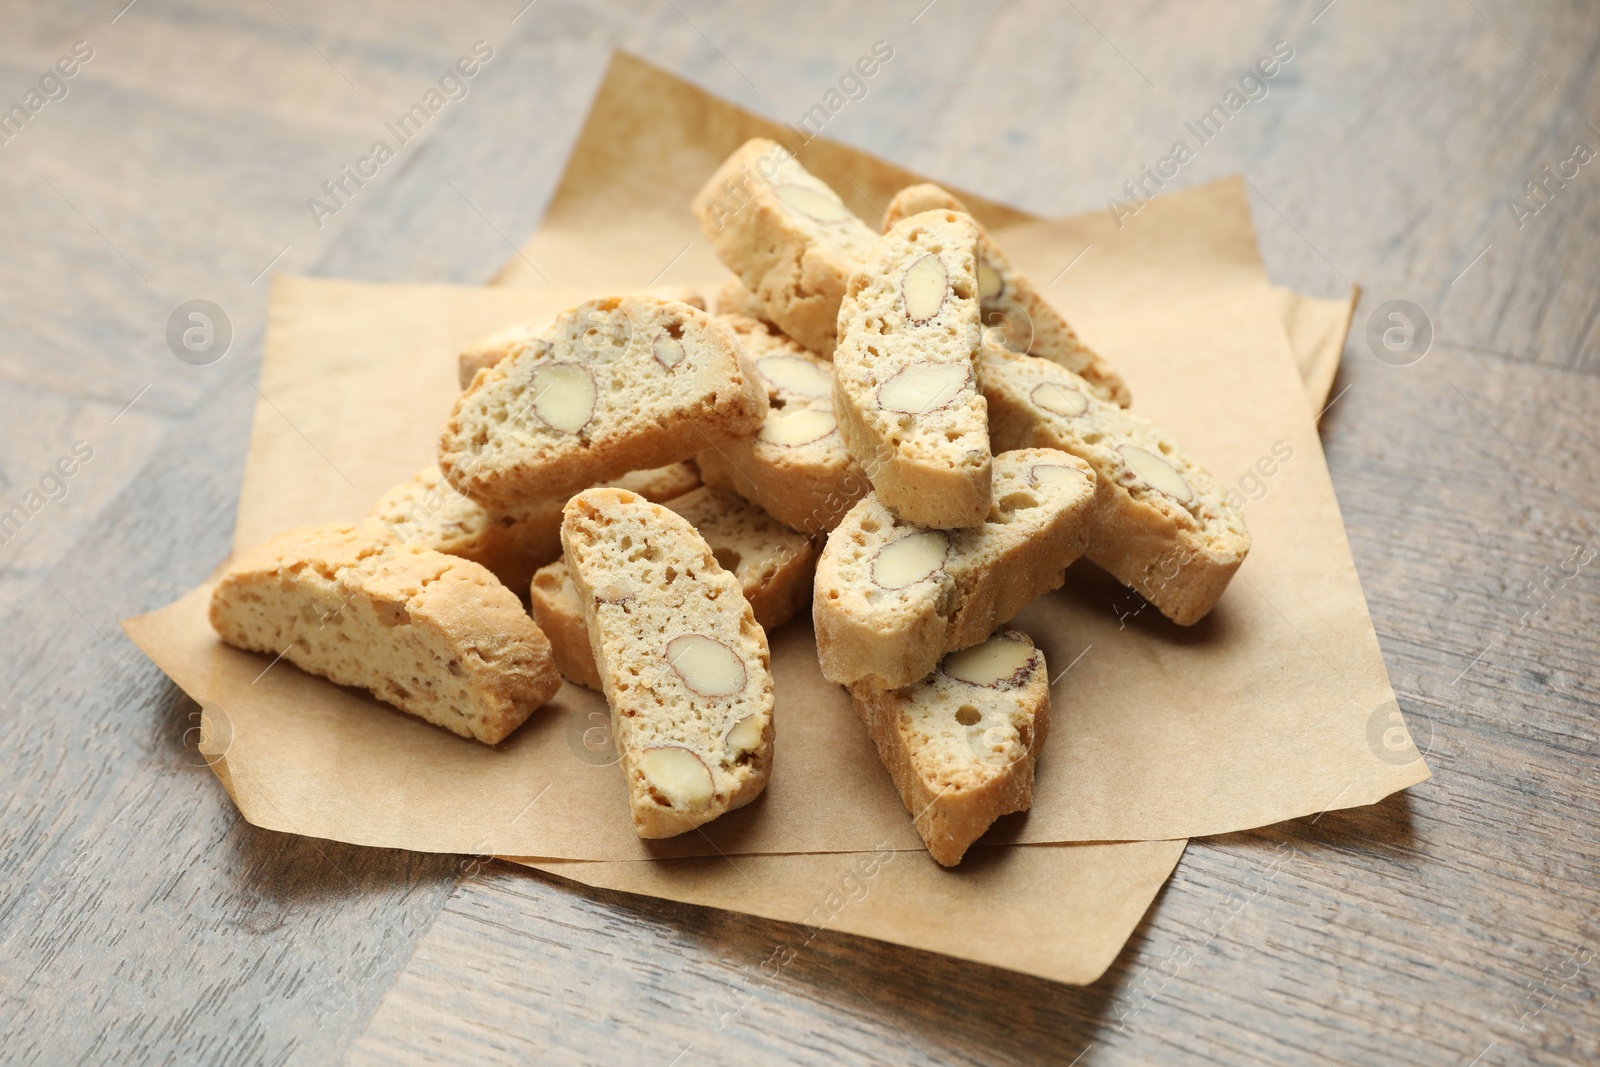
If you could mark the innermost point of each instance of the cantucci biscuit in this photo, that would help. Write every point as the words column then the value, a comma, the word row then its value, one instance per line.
column 660, row 484
column 796, row 468
column 892, row 597
column 773, row 564
column 788, row 237
column 683, row 663
column 513, row 543
column 559, row 613
column 502, row 343
column 1015, row 314
column 961, row 744
column 734, row 299
column 617, row 384
column 905, row 374
column 1162, row 524
column 434, row 635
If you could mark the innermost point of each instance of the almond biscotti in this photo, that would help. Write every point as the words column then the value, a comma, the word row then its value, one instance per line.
column 684, row 665
column 492, row 349
column 617, row 384
column 905, row 374
column 1162, row 524
column 788, row 237
column 892, row 597
column 774, row 566
column 962, row 743
column 1014, row 312
column 513, row 543
column 734, row 299
column 434, row 635
column 796, row 468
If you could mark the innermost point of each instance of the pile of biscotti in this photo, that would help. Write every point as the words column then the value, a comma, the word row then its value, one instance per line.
column 894, row 426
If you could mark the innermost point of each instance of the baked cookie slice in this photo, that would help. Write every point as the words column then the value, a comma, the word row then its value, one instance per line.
column 435, row 635
column 1162, row 524
column 683, row 663
column 796, row 468
column 512, row 543
column 788, row 237
column 617, row 384
column 905, row 374
column 1015, row 313
column 734, row 299
column 492, row 349
column 892, row 597
column 773, row 565
column 962, row 743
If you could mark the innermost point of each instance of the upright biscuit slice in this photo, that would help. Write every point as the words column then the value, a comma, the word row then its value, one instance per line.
column 1014, row 312
column 513, row 543
column 905, row 375
column 432, row 634
column 774, row 566
column 787, row 235
column 961, row 744
column 796, row 467
column 502, row 343
column 684, row 666
column 892, row 598
column 1162, row 524
column 617, row 384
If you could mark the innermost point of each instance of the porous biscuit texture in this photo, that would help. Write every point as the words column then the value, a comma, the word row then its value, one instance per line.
column 788, row 237
column 434, row 635
column 796, row 468
column 773, row 565
column 617, row 384
column 1016, row 316
column 961, row 744
column 906, row 375
column 1162, row 523
column 488, row 351
column 892, row 598
column 683, row 663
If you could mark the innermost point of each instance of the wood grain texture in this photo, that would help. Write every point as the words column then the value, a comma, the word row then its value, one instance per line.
column 142, row 922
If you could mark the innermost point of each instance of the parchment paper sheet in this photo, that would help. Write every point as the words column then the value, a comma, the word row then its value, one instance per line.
column 358, row 377
column 1258, row 714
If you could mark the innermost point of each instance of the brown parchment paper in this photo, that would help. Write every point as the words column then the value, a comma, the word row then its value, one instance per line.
column 1061, row 912
column 1316, row 328
column 1258, row 714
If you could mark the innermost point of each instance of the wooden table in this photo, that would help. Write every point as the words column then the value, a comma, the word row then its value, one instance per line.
column 143, row 921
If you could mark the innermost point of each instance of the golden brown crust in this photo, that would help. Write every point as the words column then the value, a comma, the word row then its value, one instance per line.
column 434, row 635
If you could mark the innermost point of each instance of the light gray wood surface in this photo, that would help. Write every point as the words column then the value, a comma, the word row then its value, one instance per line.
column 142, row 921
